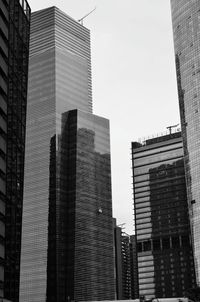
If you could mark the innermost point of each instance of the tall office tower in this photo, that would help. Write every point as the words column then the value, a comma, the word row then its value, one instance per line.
column 186, row 29
column 14, row 44
column 67, row 232
column 165, row 258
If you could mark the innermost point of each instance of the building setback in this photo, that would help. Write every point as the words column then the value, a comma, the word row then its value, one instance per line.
column 186, row 29
column 164, row 253
column 67, row 241
column 14, row 47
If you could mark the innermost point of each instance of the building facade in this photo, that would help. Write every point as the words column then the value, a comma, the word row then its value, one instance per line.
column 14, row 53
column 67, row 234
column 125, row 265
column 164, row 253
column 118, row 260
column 134, row 268
column 186, row 30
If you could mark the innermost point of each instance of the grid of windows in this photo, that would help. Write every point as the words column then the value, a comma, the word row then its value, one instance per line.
column 67, row 248
column 125, row 264
column 186, row 29
column 14, row 45
column 85, row 182
column 161, row 218
column 57, row 73
column 4, row 18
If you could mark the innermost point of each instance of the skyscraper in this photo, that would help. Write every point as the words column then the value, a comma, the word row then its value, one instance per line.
column 186, row 29
column 14, row 47
column 164, row 253
column 67, row 241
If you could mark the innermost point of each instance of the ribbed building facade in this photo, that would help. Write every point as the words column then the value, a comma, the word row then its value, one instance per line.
column 164, row 251
column 67, row 241
column 14, row 52
column 186, row 29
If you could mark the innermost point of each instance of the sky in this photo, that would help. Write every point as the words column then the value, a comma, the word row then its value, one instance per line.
column 133, row 79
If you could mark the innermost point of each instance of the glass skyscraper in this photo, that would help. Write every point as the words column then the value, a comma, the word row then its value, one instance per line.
column 14, row 52
column 186, row 29
column 67, row 233
column 164, row 253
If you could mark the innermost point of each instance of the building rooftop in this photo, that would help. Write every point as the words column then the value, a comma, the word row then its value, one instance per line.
column 157, row 138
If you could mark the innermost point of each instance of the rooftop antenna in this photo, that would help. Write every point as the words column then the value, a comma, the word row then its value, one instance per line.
column 81, row 20
column 170, row 128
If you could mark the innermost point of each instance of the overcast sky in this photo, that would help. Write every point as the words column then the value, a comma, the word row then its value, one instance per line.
column 134, row 80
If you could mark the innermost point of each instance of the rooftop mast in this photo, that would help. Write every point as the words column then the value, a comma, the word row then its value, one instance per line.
column 170, row 128
column 81, row 20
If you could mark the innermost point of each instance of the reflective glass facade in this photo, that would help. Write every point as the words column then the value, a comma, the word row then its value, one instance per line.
column 14, row 47
column 85, row 233
column 186, row 29
column 164, row 252
column 67, row 245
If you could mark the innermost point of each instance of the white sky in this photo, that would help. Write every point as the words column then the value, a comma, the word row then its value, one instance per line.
column 134, row 80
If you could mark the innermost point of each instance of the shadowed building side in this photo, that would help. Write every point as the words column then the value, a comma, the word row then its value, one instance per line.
column 89, row 230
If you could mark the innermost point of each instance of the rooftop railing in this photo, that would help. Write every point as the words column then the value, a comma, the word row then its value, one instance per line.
column 143, row 141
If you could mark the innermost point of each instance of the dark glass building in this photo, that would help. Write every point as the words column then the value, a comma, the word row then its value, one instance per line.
column 67, row 241
column 164, row 252
column 14, row 48
column 186, row 29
